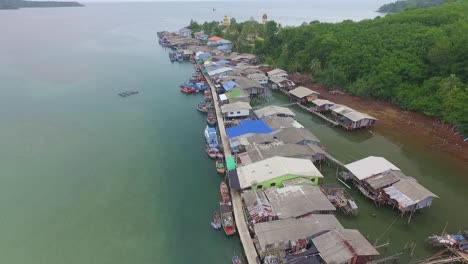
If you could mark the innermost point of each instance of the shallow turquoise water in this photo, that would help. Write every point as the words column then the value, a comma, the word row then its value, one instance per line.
column 89, row 177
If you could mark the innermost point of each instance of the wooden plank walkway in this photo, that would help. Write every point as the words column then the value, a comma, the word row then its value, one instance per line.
column 242, row 229
column 319, row 115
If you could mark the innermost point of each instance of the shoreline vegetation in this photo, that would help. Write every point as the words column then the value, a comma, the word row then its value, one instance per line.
column 17, row 4
column 415, row 60
column 402, row 5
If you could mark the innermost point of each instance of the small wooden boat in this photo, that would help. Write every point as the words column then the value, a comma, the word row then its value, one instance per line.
column 211, row 152
column 236, row 260
column 220, row 168
column 128, row 93
column 227, row 219
column 188, row 90
column 211, row 118
column 224, row 191
column 216, row 223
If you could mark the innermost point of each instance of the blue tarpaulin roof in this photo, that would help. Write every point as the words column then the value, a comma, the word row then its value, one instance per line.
column 229, row 85
column 225, row 47
column 247, row 127
column 203, row 56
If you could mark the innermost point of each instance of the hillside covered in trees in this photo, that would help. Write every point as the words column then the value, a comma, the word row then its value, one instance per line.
column 416, row 59
column 16, row 4
column 401, row 5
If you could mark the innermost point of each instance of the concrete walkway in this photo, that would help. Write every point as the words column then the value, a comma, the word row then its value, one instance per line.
column 242, row 229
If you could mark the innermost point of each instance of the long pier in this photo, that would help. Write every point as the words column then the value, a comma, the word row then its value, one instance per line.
column 242, row 229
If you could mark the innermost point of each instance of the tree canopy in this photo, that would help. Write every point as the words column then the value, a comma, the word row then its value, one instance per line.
column 416, row 59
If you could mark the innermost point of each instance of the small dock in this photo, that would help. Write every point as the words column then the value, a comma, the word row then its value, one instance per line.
column 242, row 229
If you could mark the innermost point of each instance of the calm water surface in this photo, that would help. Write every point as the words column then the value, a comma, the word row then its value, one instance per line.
column 89, row 177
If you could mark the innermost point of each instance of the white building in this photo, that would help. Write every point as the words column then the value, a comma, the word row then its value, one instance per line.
column 236, row 110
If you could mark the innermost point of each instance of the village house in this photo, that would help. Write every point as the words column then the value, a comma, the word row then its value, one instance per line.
column 293, row 201
column 259, row 152
column 321, row 105
column 248, row 127
column 261, row 78
column 237, row 95
column 344, row 246
column 273, row 171
column 243, row 143
column 273, row 110
column 277, row 73
column 383, row 182
column 277, row 82
column 294, row 135
column 291, row 235
column 217, row 41
column 201, row 35
column 219, row 72
column 250, row 86
column 246, row 58
column 407, row 195
column 303, row 95
column 185, row 32
column 236, row 110
column 279, row 122
column 350, row 118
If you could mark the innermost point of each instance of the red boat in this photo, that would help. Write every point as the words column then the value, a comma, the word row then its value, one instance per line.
column 227, row 219
column 223, row 189
column 188, row 90
column 211, row 152
column 220, row 168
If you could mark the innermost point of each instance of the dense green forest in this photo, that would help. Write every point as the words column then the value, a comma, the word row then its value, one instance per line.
column 15, row 4
column 401, row 5
column 417, row 59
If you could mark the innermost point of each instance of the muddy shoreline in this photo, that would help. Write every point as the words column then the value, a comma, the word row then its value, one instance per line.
column 392, row 120
column 398, row 123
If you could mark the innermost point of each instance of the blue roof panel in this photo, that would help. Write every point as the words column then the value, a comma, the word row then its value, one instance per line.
column 229, row 85
column 248, row 127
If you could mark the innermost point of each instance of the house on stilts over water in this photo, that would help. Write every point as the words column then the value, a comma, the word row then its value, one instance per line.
column 385, row 184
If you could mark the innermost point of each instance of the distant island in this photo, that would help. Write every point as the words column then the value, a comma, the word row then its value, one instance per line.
column 16, row 4
column 401, row 5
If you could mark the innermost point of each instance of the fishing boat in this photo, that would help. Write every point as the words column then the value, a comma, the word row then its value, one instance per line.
column 211, row 137
column 227, row 219
column 236, row 260
column 188, row 90
column 212, row 152
column 224, row 191
column 220, row 168
column 128, row 93
column 202, row 107
column 211, row 118
column 216, row 223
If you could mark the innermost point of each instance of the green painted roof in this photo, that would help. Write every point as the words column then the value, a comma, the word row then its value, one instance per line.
column 233, row 93
column 231, row 163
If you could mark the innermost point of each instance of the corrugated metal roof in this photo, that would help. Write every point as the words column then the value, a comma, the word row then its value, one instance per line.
column 226, row 108
column 370, row 166
column 273, row 110
column 301, row 92
column 275, row 167
column 277, row 72
column 295, row 201
column 320, row 102
column 408, row 192
column 281, row 232
column 296, row 135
